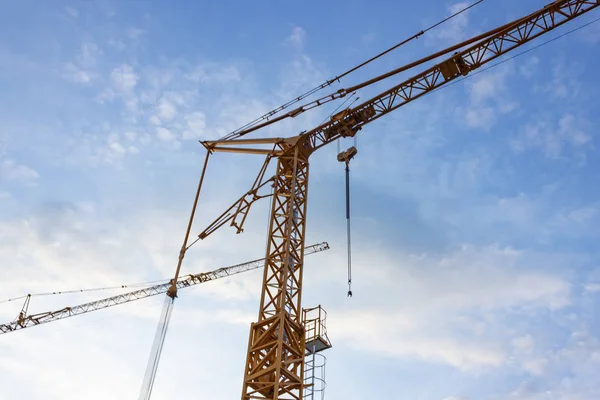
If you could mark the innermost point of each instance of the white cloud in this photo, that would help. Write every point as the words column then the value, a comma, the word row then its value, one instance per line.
column 299, row 75
column 214, row 73
column 54, row 243
column 368, row 37
column 486, row 86
column 123, row 82
column 391, row 335
column 591, row 35
column 131, row 136
column 566, row 81
column 88, row 54
column 529, row 67
column 196, row 123
column 226, row 75
column 536, row 367
column 197, row 74
column 134, row 33
column 13, row 171
column 117, row 44
column 566, row 371
column 523, row 343
column 441, row 294
column 582, row 215
column 117, row 147
column 81, row 69
column 164, row 134
column 166, row 110
column 123, row 78
column 454, row 30
column 71, row 11
column 297, row 37
column 480, row 118
column 75, row 74
column 593, row 287
column 488, row 99
column 565, row 137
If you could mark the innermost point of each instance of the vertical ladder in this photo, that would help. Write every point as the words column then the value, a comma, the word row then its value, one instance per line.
column 314, row 376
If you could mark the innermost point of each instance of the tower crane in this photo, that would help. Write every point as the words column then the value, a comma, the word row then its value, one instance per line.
column 276, row 346
column 25, row 320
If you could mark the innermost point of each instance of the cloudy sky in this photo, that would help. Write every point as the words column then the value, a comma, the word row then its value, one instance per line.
column 475, row 210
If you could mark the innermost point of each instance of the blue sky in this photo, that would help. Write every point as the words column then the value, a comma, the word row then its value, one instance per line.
column 476, row 269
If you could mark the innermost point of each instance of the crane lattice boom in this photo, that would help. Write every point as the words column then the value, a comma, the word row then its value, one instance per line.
column 186, row 281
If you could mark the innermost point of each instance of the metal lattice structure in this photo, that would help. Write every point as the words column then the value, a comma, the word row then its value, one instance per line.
column 274, row 362
column 24, row 321
column 277, row 339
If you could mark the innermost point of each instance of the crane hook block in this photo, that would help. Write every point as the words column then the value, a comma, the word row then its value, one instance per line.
column 347, row 155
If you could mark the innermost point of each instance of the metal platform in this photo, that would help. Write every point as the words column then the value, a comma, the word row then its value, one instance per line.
column 316, row 332
column 317, row 345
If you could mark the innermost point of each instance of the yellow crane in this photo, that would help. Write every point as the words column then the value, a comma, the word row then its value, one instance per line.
column 274, row 365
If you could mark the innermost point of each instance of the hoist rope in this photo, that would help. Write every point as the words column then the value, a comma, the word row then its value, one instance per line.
column 266, row 116
column 142, row 284
column 349, row 242
column 157, row 346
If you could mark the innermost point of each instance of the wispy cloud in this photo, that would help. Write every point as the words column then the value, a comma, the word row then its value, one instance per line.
column 473, row 253
column 196, row 124
column 10, row 170
column 123, row 78
column 565, row 81
column 529, row 67
column 564, row 137
column 437, row 292
column 297, row 38
column 488, row 99
column 455, row 30
column 72, row 12
column 82, row 69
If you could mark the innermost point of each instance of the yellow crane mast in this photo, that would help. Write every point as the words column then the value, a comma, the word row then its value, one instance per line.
column 276, row 345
